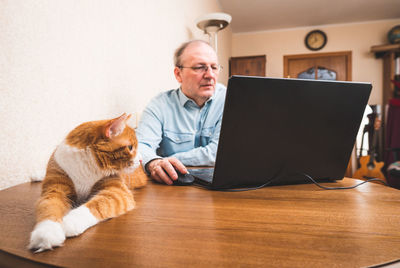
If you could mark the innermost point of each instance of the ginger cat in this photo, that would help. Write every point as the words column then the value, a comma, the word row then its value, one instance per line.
column 88, row 180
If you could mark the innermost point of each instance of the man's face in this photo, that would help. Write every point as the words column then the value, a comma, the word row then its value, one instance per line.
column 197, row 85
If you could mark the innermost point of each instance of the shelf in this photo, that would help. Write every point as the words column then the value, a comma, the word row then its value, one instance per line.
column 381, row 50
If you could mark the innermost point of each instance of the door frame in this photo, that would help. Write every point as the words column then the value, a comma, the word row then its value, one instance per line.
column 347, row 54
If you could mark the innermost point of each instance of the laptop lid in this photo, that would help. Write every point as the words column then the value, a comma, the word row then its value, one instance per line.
column 275, row 129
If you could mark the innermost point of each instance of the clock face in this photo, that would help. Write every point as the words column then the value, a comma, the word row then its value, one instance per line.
column 315, row 40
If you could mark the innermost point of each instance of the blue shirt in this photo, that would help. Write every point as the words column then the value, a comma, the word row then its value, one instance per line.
column 174, row 125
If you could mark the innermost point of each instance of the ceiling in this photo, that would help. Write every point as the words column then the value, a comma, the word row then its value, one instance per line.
column 263, row 15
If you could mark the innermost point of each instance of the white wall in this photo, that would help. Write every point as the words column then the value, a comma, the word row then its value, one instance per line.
column 357, row 37
column 66, row 62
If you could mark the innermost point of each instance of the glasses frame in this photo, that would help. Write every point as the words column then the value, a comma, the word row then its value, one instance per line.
column 201, row 69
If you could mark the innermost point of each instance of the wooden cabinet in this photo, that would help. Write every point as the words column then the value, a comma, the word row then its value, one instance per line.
column 388, row 53
column 250, row 65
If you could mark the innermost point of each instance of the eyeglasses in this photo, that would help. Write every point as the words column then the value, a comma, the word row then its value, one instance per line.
column 204, row 68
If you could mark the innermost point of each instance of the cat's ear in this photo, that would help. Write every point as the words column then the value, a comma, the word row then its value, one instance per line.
column 116, row 126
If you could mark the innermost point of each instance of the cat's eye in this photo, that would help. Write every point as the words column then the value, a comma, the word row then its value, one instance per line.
column 130, row 147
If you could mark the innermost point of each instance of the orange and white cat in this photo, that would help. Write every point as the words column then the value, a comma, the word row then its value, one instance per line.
column 88, row 180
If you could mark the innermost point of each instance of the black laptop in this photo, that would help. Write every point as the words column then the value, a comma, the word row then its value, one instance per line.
column 275, row 130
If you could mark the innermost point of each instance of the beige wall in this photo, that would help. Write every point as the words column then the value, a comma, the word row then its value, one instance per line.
column 66, row 62
column 357, row 37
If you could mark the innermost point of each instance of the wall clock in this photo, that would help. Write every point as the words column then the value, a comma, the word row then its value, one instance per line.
column 315, row 40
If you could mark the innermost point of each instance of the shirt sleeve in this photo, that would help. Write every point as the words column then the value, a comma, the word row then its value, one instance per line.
column 149, row 133
column 204, row 155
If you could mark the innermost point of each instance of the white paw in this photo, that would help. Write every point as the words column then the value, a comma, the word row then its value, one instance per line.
column 78, row 220
column 46, row 235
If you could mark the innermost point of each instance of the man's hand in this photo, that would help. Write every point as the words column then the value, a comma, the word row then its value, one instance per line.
column 163, row 169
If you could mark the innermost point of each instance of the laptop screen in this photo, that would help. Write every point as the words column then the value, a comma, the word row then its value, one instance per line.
column 278, row 126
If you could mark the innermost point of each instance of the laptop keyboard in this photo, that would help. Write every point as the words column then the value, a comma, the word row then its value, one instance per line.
column 205, row 174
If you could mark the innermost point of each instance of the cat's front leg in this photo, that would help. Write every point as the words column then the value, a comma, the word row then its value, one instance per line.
column 46, row 235
column 112, row 199
column 53, row 204
column 78, row 220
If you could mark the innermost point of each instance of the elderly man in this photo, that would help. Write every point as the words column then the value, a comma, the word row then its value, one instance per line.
column 181, row 127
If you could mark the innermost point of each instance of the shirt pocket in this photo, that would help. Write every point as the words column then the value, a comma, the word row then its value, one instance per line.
column 206, row 134
column 178, row 137
column 176, row 142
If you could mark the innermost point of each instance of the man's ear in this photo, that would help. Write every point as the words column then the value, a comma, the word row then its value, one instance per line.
column 178, row 74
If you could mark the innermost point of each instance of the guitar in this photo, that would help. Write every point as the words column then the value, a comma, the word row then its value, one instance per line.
column 368, row 167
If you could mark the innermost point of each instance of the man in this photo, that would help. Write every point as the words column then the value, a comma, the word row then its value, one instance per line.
column 181, row 127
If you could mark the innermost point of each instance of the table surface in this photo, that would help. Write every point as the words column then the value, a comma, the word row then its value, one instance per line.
column 172, row 226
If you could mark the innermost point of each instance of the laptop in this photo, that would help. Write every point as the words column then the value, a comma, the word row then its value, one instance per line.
column 275, row 130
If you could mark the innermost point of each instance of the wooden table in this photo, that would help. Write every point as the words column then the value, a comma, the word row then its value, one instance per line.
column 172, row 226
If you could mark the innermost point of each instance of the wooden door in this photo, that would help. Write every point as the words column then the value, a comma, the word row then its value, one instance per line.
column 251, row 65
column 329, row 66
column 325, row 66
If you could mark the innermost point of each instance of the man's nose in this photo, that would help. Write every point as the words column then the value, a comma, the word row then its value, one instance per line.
column 209, row 72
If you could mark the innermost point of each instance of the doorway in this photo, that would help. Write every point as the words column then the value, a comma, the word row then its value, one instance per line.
column 321, row 66
column 326, row 66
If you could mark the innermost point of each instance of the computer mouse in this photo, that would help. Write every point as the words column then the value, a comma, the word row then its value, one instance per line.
column 183, row 179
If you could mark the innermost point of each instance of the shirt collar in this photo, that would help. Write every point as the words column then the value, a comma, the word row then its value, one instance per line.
column 183, row 99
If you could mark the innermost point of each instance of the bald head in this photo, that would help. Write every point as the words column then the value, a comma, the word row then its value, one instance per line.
column 181, row 49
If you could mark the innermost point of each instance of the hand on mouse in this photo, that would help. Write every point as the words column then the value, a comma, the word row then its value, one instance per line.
column 163, row 169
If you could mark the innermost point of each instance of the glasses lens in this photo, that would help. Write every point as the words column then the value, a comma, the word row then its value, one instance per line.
column 204, row 68
column 216, row 68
